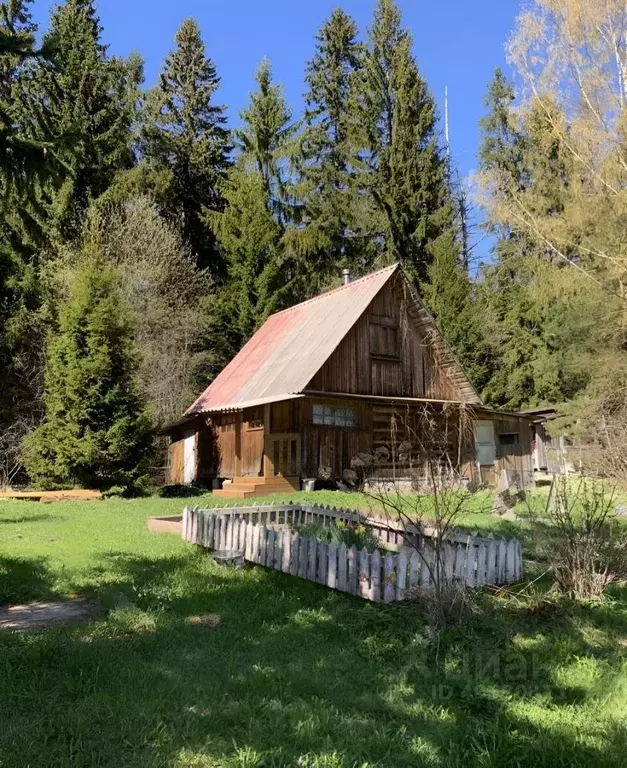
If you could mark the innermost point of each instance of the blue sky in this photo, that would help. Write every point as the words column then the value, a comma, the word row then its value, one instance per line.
column 456, row 42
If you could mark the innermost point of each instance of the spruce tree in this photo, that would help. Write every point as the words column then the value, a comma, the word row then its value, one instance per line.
column 83, row 96
column 336, row 220
column 394, row 133
column 97, row 430
column 184, row 132
column 265, row 139
column 531, row 352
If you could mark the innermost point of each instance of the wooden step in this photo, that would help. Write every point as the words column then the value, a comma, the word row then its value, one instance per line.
column 257, row 479
column 246, row 487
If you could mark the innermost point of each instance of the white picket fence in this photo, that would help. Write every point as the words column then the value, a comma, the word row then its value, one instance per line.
column 263, row 536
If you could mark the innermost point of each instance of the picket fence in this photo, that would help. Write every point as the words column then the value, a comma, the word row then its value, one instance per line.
column 266, row 537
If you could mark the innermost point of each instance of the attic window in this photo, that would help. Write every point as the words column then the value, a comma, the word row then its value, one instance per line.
column 329, row 416
column 384, row 340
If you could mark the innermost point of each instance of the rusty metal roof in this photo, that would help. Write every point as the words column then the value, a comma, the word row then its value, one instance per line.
column 291, row 347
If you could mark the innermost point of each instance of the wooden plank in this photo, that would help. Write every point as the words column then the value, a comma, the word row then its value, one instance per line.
column 460, row 558
column 295, row 548
column 427, row 562
column 209, row 529
column 312, row 560
column 278, row 550
column 287, row 551
column 502, row 556
column 255, row 544
column 270, row 549
column 229, row 534
column 342, row 581
column 519, row 561
column 510, row 561
column 481, row 564
column 323, row 561
column 332, row 566
column 263, row 544
column 353, row 573
column 248, row 547
column 470, row 577
column 413, row 576
column 389, row 586
column 401, row 575
column 303, row 546
column 224, row 532
column 491, row 563
column 375, row 576
column 364, row 573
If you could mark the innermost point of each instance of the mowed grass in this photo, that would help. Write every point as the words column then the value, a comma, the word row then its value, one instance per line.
column 293, row 674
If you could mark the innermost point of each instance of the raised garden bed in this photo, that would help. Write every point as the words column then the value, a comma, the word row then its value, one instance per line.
column 268, row 536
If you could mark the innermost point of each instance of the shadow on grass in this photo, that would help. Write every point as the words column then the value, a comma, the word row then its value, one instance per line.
column 293, row 674
column 21, row 518
column 24, row 579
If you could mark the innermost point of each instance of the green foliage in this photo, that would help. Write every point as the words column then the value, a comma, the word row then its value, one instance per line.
column 394, row 135
column 265, row 139
column 250, row 237
column 184, row 132
column 336, row 221
column 92, row 107
column 97, row 431
column 544, row 321
column 339, row 532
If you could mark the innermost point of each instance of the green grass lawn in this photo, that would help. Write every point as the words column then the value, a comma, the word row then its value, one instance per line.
column 294, row 674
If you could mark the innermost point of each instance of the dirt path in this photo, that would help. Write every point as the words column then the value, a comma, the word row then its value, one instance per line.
column 43, row 615
column 71, row 495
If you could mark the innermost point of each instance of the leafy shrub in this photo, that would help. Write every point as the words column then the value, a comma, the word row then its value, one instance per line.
column 179, row 491
column 338, row 532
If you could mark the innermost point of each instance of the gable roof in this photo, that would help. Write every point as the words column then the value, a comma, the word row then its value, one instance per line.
column 282, row 357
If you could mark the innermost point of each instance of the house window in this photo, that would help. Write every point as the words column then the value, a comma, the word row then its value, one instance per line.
column 484, row 442
column 330, row 416
column 384, row 340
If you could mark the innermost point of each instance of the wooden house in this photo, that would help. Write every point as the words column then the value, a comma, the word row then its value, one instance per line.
column 329, row 380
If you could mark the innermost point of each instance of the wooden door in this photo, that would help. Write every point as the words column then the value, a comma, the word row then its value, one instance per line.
column 282, row 454
column 509, row 451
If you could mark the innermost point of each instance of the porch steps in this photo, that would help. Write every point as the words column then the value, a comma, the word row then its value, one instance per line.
column 249, row 487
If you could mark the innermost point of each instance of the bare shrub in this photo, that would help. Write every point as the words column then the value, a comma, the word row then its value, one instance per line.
column 427, row 447
column 586, row 552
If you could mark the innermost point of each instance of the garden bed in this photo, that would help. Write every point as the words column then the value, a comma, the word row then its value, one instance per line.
column 268, row 536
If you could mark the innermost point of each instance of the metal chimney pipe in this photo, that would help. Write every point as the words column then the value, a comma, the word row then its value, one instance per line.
column 346, row 274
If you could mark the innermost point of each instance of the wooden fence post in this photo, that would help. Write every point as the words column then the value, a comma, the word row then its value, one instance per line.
column 295, row 548
column 269, row 562
column 278, row 550
column 312, row 561
column 332, row 566
column 389, row 586
column 323, row 560
column 375, row 576
column 364, row 573
column 353, row 575
column 341, row 568
column 401, row 574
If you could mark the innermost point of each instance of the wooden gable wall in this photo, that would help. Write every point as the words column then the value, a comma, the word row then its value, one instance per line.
column 394, row 350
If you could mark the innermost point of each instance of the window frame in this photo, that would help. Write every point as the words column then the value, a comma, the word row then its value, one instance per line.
column 334, row 416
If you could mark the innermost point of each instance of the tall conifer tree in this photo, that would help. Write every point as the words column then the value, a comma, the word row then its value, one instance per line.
column 97, row 430
column 185, row 133
column 265, row 139
column 336, row 220
column 85, row 96
column 394, row 132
